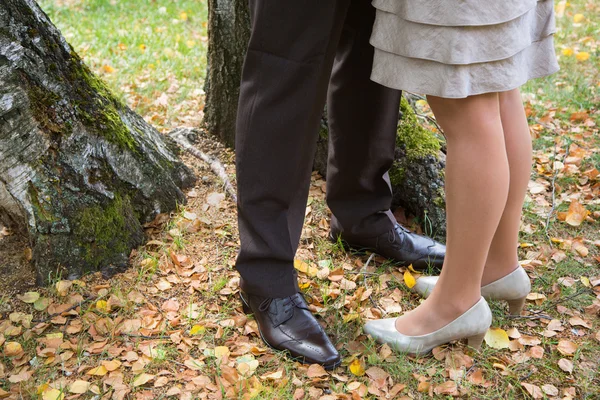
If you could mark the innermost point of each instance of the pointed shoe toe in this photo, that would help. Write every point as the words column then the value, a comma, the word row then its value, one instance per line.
column 471, row 325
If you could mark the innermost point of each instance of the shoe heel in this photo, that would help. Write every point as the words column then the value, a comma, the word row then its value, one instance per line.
column 245, row 307
column 516, row 306
column 476, row 341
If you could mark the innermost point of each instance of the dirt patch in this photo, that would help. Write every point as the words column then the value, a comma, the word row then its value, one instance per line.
column 17, row 274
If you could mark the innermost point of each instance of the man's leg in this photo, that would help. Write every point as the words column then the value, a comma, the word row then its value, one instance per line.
column 282, row 95
column 363, row 117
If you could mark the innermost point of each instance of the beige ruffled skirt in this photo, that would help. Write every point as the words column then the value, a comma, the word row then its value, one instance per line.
column 459, row 48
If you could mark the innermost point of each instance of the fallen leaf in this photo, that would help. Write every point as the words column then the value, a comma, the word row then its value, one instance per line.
column 550, row 390
column 111, row 365
column 316, row 371
column 12, row 349
column 79, row 387
column 497, row 338
column 577, row 321
column 409, row 279
column 53, row 394
column 305, row 268
column 536, row 352
column 582, row 56
column 533, row 390
column 98, row 371
column 448, row 387
column 214, row 199
column 29, row 297
column 222, row 351
column 357, row 368
column 576, row 214
column 565, row 365
column 102, row 306
column 142, row 379
column 197, row 330
column 273, row 376
column 566, row 347
column 62, row 287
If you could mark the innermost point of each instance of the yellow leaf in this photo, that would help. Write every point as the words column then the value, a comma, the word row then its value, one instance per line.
column 221, row 351
column 409, row 279
column 107, row 69
column 102, row 306
column 190, row 44
column 350, row 317
column 303, row 286
column 421, row 103
column 582, row 56
column 183, row 16
column 29, row 297
column 497, row 338
column 197, row 330
column 578, row 18
column 12, row 349
column 98, row 371
column 62, row 287
column 586, row 281
column 111, row 365
column 305, row 268
column 79, row 387
column 142, row 379
column 357, row 368
column 53, row 394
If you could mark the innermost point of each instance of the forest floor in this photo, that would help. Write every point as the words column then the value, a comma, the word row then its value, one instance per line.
column 172, row 326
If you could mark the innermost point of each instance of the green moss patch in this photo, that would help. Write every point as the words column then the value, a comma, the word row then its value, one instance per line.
column 417, row 141
column 111, row 229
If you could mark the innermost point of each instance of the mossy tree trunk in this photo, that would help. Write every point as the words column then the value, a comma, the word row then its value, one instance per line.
column 417, row 174
column 79, row 171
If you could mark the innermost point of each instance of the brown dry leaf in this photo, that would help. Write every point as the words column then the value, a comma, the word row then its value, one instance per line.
column 423, row 387
column 576, row 214
column 111, row 365
column 536, row 352
column 580, row 248
column 533, row 390
column 448, row 387
column 566, row 347
column 79, row 387
column 476, row 377
column 550, row 390
column 577, row 321
column 316, row 371
column 62, row 287
column 565, row 365
column 497, row 338
column 12, row 349
column 272, row 376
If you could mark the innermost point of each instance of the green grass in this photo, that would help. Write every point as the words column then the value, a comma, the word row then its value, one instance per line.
column 141, row 48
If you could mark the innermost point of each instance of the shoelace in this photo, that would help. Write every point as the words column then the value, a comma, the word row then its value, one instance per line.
column 399, row 230
column 287, row 302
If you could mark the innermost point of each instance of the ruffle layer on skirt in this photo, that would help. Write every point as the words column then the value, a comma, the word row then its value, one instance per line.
column 459, row 61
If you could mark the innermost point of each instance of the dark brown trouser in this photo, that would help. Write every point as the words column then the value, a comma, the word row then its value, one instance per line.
column 302, row 53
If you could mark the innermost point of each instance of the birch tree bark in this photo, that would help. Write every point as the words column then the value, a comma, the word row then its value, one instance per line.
column 80, row 173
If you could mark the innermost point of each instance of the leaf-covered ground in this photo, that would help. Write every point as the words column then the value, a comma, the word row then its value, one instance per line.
column 172, row 326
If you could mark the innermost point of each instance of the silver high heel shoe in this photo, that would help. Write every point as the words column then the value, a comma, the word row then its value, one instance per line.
column 471, row 325
column 513, row 288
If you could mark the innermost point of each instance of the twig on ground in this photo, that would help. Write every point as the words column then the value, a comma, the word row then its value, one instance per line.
column 552, row 209
column 74, row 306
column 215, row 165
column 364, row 274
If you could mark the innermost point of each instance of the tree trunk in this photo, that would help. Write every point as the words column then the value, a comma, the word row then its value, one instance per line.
column 79, row 171
column 229, row 32
column 417, row 174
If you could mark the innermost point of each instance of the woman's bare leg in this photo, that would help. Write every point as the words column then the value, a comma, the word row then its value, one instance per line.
column 477, row 181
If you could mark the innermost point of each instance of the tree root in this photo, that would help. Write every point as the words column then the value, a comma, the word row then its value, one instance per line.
column 181, row 137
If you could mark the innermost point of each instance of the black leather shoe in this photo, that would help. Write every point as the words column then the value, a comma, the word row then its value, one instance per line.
column 287, row 324
column 401, row 245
